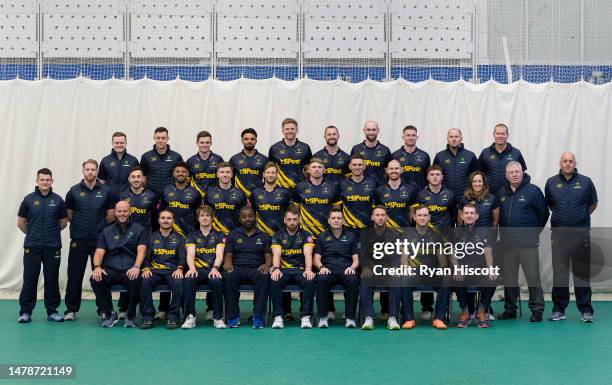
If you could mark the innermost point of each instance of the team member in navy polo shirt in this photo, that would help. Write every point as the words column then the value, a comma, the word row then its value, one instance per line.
column 335, row 256
column 41, row 217
column 164, row 265
column 572, row 198
column 292, row 264
column 247, row 260
column 493, row 159
column 290, row 155
column 248, row 164
column 157, row 163
column 376, row 154
column 115, row 167
column 181, row 199
column 334, row 159
column 270, row 201
column 119, row 256
column 203, row 165
column 397, row 197
column 413, row 160
column 225, row 199
column 457, row 163
column 357, row 193
column 90, row 205
column 143, row 202
column 522, row 215
column 205, row 248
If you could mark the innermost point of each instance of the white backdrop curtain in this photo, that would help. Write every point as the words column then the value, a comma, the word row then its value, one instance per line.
column 59, row 124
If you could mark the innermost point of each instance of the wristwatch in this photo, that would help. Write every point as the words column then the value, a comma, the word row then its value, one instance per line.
column 272, row 268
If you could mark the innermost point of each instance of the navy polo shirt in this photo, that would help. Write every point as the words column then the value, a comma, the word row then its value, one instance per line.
column 121, row 245
column 456, row 168
column 248, row 250
column 158, row 168
column 442, row 206
column 336, row 166
column 270, row 207
column 89, row 209
column 205, row 247
column 142, row 206
column 484, row 207
column 397, row 202
column 227, row 205
column 290, row 161
column 203, row 171
column 414, row 166
column 376, row 159
column 570, row 200
column 337, row 253
column 493, row 164
column 357, row 202
column 292, row 247
column 183, row 204
column 43, row 214
column 166, row 254
column 248, row 171
column 115, row 171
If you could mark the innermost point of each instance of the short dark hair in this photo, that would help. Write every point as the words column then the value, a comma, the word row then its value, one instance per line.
column 269, row 165
column 248, row 131
column 379, row 207
column 203, row 134
column 356, row 156
column 134, row 169
column 471, row 205
column 165, row 211
column 410, row 127
column 434, row 167
column 501, row 125
column 181, row 164
column 118, row 134
column 44, row 171
column 330, row 127
column 160, row 129
column 293, row 209
column 221, row 165
column 334, row 210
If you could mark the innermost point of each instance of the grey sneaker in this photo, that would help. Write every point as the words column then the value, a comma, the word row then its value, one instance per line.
column 110, row 321
column 24, row 318
column 70, row 316
column 556, row 316
column 587, row 318
column 129, row 323
column 55, row 317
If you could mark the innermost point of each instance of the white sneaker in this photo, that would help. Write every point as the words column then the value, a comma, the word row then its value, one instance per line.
column 426, row 316
column 331, row 317
column 491, row 317
column 323, row 323
column 278, row 323
column 190, row 322
column 219, row 324
column 368, row 324
column 209, row 315
column 350, row 323
column 392, row 324
column 161, row 315
column 70, row 316
column 121, row 315
column 306, row 324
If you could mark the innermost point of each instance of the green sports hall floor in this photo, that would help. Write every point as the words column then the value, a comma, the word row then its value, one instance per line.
column 509, row 352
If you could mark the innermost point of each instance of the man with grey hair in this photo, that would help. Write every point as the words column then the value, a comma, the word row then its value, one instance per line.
column 375, row 154
column 523, row 214
column 572, row 198
column 457, row 163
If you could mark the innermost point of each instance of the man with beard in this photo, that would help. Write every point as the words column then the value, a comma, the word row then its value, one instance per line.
column 334, row 159
column 376, row 154
column 181, row 199
column 397, row 197
column 413, row 160
column 115, row 167
column 143, row 202
column 247, row 260
column 90, row 205
column 248, row 164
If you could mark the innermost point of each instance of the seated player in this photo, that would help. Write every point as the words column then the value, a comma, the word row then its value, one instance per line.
column 204, row 257
column 292, row 264
column 335, row 256
column 431, row 257
column 164, row 266
column 247, row 260
column 468, row 232
column 119, row 255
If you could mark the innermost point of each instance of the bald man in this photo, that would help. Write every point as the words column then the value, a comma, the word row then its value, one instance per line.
column 119, row 254
column 457, row 163
column 571, row 198
column 375, row 154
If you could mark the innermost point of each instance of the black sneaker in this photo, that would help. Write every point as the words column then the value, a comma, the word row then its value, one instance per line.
column 506, row 315
column 146, row 324
column 536, row 317
column 171, row 324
